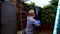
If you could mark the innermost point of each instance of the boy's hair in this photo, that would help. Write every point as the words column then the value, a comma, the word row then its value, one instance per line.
column 31, row 13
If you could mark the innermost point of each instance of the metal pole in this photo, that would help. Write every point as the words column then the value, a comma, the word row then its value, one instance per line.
column 57, row 17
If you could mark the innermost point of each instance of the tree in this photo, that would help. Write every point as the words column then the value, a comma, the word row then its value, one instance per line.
column 54, row 2
column 31, row 5
column 49, row 12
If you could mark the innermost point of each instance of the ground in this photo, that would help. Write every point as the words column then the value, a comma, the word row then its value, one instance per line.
column 40, row 32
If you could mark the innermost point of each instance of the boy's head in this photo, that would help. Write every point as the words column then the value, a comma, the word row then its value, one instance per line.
column 31, row 13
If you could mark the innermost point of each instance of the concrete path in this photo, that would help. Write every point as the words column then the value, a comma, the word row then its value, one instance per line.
column 41, row 32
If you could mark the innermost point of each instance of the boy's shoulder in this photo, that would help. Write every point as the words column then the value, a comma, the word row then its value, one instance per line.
column 33, row 20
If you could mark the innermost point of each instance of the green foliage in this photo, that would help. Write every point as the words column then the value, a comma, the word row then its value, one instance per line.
column 49, row 13
column 54, row 2
column 30, row 6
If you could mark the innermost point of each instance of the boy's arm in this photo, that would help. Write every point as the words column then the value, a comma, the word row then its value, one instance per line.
column 35, row 23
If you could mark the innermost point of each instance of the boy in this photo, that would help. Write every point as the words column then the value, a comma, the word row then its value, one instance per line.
column 31, row 22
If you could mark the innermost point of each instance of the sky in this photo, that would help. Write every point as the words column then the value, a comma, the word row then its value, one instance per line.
column 40, row 3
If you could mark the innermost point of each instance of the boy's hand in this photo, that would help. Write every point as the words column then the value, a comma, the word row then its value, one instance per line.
column 38, row 22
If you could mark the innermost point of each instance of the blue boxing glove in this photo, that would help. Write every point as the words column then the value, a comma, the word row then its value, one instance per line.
column 38, row 22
